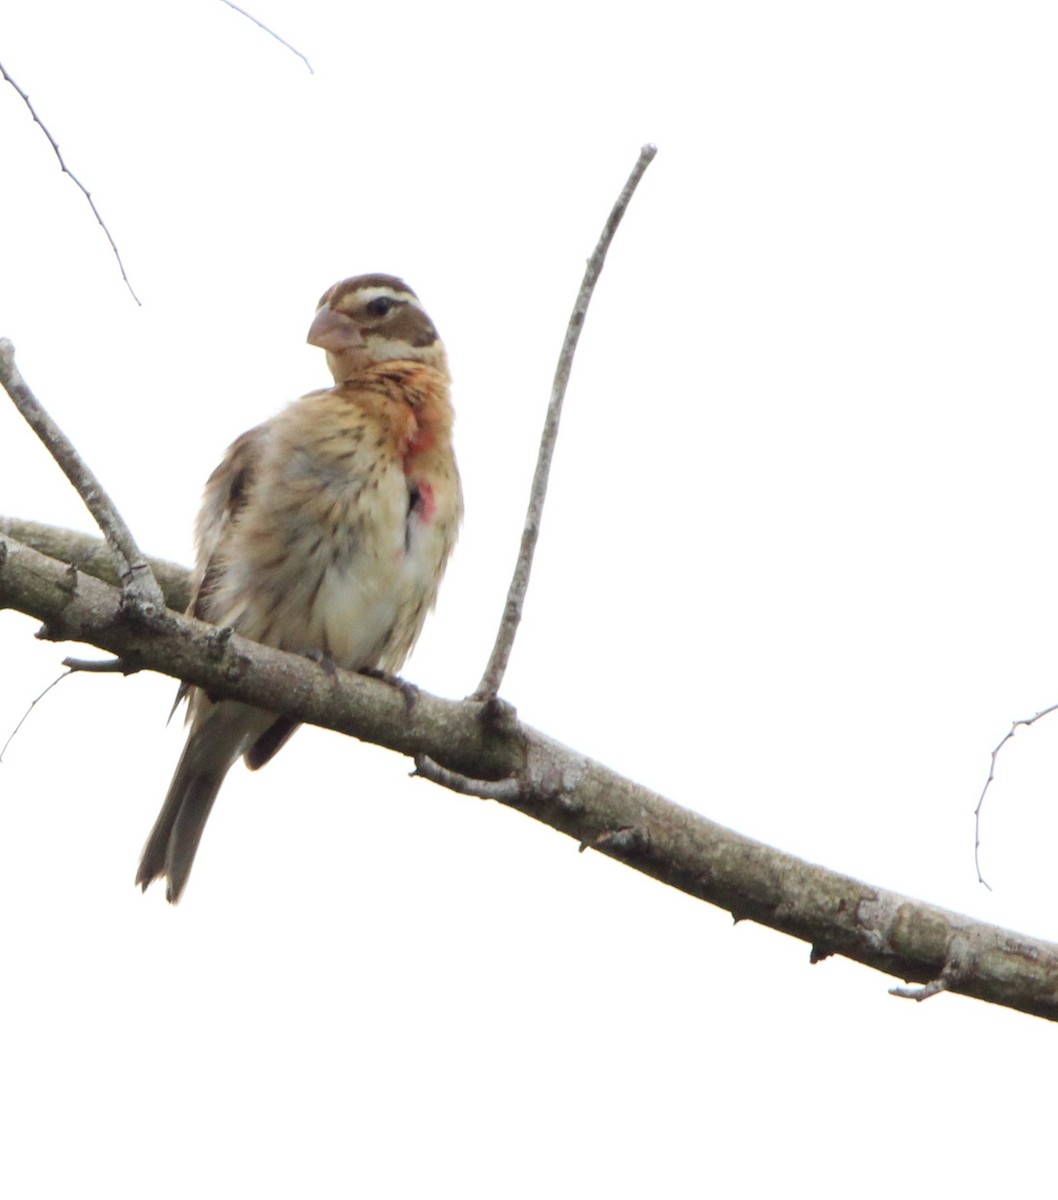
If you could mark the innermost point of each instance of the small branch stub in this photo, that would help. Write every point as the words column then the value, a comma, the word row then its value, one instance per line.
column 933, row 988
column 505, row 791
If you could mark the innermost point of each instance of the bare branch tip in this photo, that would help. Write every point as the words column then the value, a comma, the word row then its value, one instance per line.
column 270, row 31
column 25, row 716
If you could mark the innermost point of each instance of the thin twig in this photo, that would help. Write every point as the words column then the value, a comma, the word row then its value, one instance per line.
column 139, row 585
column 25, row 716
column 988, row 783
column 512, row 612
column 67, row 171
column 272, row 32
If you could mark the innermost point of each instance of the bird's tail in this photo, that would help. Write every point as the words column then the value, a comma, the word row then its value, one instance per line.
column 217, row 738
column 171, row 848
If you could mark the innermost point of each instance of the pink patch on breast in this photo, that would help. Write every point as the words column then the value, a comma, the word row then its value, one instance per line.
column 426, row 504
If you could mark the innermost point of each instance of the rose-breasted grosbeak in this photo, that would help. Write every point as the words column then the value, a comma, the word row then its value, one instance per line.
column 325, row 531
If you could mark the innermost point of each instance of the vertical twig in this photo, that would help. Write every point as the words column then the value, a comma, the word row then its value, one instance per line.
column 1026, row 721
column 512, row 612
column 140, row 586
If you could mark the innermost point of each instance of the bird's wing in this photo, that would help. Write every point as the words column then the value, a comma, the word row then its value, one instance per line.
column 227, row 490
column 225, row 496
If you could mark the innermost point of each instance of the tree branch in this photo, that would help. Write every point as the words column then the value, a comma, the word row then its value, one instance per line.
column 512, row 610
column 92, row 555
column 482, row 741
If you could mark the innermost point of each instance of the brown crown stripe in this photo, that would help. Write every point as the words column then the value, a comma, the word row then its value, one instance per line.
column 332, row 294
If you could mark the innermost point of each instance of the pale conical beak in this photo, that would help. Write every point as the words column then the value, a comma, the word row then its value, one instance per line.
column 334, row 331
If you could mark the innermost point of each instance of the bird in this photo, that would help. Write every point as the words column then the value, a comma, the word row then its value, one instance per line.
column 324, row 531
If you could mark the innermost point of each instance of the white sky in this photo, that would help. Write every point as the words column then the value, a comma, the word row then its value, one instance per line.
column 797, row 572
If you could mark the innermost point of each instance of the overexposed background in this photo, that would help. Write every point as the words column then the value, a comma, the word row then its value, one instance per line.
column 797, row 572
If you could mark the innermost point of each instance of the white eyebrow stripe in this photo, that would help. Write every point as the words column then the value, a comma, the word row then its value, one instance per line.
column 367, row 294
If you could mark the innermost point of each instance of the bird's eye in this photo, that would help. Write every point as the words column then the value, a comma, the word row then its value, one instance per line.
column 379, row 306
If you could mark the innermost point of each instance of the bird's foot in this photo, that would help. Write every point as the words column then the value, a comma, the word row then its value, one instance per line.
column 408, row 690
column 322, row 658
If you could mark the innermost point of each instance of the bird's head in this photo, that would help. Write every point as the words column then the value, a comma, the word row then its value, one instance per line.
column 372, row 319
